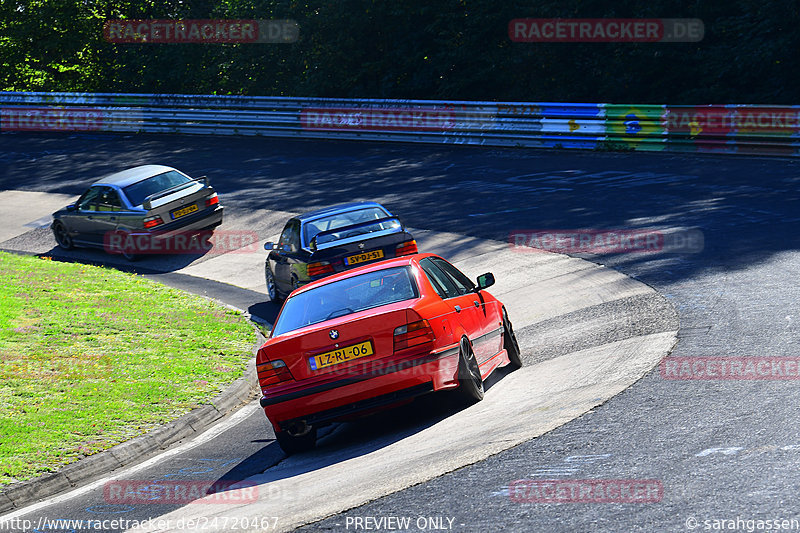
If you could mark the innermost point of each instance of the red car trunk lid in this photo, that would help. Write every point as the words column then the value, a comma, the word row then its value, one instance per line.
column 339, row 346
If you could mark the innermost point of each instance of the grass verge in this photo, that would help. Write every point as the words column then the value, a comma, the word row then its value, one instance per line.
column 91, row 357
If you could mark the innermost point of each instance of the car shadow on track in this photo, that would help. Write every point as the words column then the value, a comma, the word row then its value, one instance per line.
column 145, row 262
column 343, row 441
column 266, row 311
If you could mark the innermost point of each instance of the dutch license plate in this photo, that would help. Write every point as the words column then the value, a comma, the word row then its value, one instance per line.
column 363, row 258
column 178, row 213
column 342, row 355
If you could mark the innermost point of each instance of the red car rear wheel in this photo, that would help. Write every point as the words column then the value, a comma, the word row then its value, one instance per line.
column 469, row 374
column 297, row 444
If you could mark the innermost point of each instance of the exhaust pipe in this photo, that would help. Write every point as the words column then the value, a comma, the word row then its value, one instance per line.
column 298, row 428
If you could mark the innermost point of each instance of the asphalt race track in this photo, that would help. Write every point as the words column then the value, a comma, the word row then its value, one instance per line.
column 720, row 450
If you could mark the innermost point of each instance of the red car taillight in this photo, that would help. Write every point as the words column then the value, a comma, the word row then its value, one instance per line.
column 212, row 200
column 272, row 373
column 413, row 334
column 152, row 222
column 406, row 248
column 319, row 268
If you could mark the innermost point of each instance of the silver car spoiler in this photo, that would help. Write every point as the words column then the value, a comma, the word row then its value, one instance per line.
column 148, row 201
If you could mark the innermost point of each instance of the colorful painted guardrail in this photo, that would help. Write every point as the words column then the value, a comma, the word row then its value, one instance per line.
column 748, row 129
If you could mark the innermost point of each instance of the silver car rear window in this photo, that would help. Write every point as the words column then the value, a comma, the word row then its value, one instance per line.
column 137, row 192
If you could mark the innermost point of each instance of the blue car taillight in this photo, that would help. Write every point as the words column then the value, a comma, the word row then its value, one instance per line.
column 406, row 248
column 152, row 222
column 319, row 268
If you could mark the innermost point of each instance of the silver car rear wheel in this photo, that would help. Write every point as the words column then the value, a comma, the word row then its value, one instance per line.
column 128, row 256
column 62, row 236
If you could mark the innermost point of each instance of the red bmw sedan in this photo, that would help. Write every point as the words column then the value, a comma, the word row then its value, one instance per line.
column 377, row 336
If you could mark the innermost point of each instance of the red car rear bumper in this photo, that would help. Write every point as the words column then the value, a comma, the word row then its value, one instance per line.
column 347, row 393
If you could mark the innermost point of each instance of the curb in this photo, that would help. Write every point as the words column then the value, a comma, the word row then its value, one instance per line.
column 90, row 468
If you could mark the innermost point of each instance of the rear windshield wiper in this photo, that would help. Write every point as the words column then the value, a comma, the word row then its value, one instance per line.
column 334, row 314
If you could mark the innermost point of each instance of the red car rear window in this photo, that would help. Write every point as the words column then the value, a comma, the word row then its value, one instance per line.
column 346, row 296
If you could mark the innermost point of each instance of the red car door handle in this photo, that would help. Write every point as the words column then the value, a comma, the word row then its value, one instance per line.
column 477, row 303
column 458, row 308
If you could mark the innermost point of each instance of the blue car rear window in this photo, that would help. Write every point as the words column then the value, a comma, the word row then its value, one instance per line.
column 341, row 220
column 345, row 297
column 137, row 192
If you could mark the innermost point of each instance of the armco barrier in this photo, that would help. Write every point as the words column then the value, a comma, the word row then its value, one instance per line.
column 745, row 129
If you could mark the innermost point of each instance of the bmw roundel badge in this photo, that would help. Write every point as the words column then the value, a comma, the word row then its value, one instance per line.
column 334, row 334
